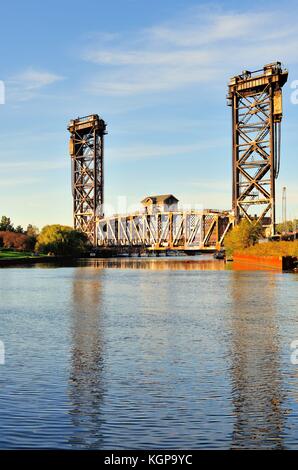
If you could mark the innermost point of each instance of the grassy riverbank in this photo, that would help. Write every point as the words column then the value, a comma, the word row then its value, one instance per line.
column 23, row 258
column 282, row 248
column 10, row 254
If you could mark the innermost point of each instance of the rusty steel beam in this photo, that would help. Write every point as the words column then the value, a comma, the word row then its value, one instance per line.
column 86, row 147
column 256, row 101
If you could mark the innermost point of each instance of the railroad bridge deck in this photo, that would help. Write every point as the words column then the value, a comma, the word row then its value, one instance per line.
column 191, row 230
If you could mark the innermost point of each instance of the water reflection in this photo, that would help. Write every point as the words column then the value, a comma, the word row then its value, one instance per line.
column 85, row 379
column 255, row 366
column 242, row 266
column 158, row 264
column 111, row 358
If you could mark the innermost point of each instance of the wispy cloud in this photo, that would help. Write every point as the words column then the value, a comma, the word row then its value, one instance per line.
column 28, row 83
column 15, row 182
column 199, row 47
column 35, row 79
column 142, row 152
column 34, row 165
column 213, row 27
column 212, row 185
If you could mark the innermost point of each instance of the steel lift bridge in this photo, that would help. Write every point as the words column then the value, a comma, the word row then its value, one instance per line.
column 255, row 98
column 172, row 230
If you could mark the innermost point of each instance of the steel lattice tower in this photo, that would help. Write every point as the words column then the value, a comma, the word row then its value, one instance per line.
column 87, row 153
column 256, row 100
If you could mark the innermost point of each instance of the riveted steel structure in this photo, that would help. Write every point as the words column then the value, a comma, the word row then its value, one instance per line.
column 86, row 148
column 176, row 230
column 256, row 100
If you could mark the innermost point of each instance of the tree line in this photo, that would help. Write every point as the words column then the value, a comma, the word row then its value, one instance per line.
column 6, row 225
column 288, row 226
column 54, row 239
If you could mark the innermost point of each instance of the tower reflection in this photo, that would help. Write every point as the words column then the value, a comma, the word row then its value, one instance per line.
column 85, row 380
column 255, row 364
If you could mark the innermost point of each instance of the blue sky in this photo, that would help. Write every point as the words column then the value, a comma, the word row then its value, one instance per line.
column 157, row 72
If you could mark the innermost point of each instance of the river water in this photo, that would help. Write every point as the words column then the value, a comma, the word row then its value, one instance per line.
column 148, row 353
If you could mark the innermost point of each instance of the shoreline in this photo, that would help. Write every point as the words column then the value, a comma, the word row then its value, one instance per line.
column 34, row 260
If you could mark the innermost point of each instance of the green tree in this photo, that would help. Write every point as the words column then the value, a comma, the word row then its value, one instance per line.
column 19, row 229
column 288, row 226
column 6, row 224
column 32, row 231
column 243, row 235
column 61, row 240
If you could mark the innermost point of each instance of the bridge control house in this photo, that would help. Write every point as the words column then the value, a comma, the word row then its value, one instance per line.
column 161, row 203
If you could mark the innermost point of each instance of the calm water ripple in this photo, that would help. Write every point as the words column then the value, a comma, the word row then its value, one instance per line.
column 143, row 354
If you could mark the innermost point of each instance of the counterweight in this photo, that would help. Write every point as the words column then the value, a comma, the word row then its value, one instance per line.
column 256, row 100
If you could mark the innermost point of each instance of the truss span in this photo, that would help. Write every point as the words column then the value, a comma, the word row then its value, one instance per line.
column 180, row 230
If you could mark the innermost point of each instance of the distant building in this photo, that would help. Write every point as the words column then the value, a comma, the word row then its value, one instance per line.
column 160, row 203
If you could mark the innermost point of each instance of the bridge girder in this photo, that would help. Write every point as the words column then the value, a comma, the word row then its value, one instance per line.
column 179, row 230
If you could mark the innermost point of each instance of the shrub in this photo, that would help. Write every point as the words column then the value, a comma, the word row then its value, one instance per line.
column 288, row 226
column 61, row 240
column 13, row 240
column 281, row 248
column 242, row 236
column 32, row 233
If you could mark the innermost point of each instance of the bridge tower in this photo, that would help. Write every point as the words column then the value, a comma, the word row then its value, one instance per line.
column 86, row 148
column 256, row 101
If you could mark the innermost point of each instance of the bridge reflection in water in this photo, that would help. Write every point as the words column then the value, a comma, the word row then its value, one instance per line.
column 85, row 379
column 255, row 363
column 158, row 264
column 100, row 399
column 195, row 263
